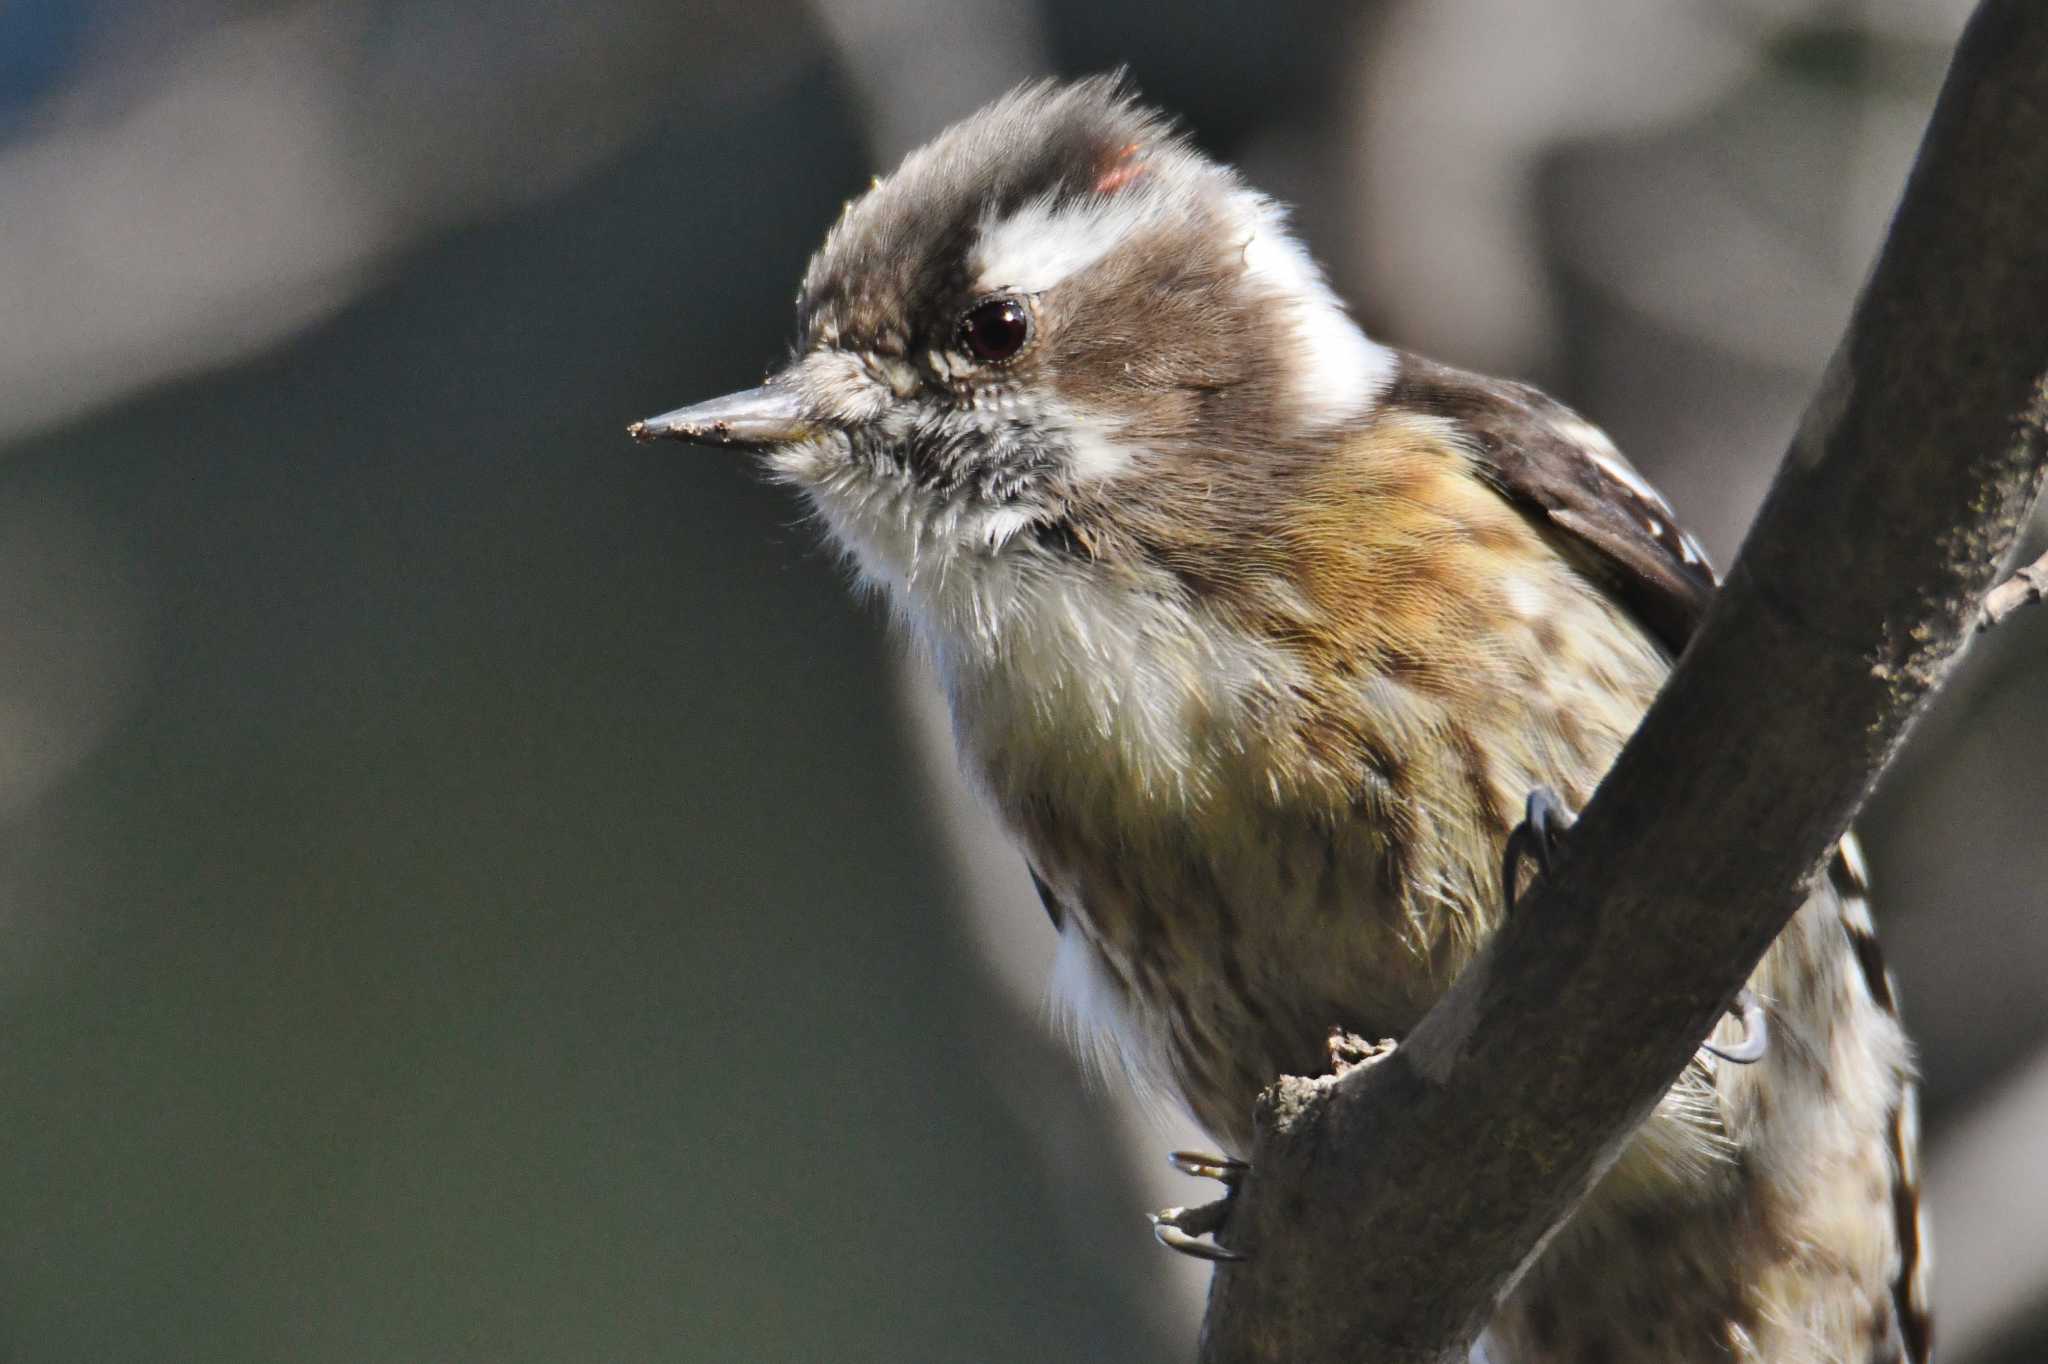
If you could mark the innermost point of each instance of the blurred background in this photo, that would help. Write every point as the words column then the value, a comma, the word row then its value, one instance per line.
column 474, row 889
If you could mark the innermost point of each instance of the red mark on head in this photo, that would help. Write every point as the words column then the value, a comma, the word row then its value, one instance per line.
column 1119, row 170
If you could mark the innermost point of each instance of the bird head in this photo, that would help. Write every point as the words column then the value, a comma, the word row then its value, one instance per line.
column 1040, row 312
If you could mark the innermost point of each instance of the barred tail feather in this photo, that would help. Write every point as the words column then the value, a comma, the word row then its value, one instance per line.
column 1910, row 1292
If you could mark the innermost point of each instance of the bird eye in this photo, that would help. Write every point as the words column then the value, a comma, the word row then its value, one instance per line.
column 994, row 331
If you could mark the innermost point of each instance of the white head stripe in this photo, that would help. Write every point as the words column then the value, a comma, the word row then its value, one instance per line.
column 1040, row 244
column 1338, row 373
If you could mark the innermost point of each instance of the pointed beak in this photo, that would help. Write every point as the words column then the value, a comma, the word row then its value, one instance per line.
column 753, row 420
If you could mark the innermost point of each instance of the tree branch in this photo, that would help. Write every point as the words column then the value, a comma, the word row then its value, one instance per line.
column 1389, row 1210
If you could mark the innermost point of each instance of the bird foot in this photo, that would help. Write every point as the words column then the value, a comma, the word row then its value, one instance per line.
column 1181, row 1229
column 1538, row 837
column 1756, row 1031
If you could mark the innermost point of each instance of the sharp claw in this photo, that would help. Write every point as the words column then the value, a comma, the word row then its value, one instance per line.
column 1756, row 1031
column 1544, row 821
column 1228, row 1170
column 1180, row 1228
column 1171, row 1228
column 1175, row 1239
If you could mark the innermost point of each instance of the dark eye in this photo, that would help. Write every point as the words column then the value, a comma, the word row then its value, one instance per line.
column 994, row 331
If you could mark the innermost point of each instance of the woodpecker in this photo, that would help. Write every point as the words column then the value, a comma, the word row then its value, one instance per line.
column 1258, row 634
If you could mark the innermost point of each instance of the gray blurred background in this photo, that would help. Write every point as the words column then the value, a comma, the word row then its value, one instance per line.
column 473, row 889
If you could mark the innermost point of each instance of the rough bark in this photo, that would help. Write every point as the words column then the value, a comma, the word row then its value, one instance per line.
column 1388, row 1211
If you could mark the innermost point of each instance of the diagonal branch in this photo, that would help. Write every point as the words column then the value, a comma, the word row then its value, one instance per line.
column 1389, row 1210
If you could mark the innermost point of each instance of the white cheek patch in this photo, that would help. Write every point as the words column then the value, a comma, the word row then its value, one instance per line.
column 1096, row 454
column 1039, row 245
column 1339, row 372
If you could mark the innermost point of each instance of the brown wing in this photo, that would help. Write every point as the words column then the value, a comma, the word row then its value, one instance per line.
column 1559, row 466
